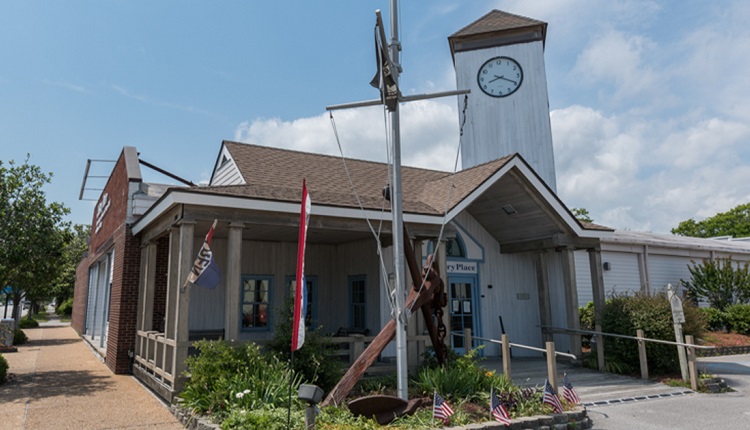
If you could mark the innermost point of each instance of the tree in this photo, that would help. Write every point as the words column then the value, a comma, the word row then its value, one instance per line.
column 31, row 232
column 75, row 247
column 735, row 223
column 582, row 214
column 720, row 282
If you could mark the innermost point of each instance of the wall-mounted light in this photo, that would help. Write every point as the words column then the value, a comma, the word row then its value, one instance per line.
column 509, row 209
column 607, row 266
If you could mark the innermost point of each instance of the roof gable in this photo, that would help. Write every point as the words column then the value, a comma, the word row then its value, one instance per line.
column 226, row 171
column 497, row 28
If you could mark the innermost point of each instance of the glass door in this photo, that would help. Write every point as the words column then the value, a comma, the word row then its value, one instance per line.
column 461, row 303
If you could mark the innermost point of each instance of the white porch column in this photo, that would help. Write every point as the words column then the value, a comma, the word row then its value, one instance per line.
column 232, row 281
column 170, row 321
column 186, row 258
column 571, row 299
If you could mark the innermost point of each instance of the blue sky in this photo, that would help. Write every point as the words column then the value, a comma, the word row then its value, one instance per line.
column 649, row 101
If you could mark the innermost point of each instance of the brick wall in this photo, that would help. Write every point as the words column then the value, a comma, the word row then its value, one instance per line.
column 123, row 304
column 109, row 218
column 80, row 295
column 117, row 191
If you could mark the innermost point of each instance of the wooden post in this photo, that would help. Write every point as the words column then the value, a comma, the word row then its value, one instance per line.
column 678, row 317
column 358, row 346
column 642, row 353
column 506, row 356
column 693, row 370
column 186, row 257
column 542, row 282
column 571, row 300
column 468, row 343
column 233, row 282
column 551, row 365
column 597, row 285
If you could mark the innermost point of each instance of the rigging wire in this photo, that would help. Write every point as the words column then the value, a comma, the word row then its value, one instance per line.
column 383, row 269
column 448, row 200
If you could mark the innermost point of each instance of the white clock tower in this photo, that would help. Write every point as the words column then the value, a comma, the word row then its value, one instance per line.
column 500, row 58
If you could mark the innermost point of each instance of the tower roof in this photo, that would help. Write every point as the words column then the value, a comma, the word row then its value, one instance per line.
column 497, row 28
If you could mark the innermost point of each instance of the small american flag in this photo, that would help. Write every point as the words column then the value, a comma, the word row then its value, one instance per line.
column 568, row 392
column 550, row 398
column 497, row 410
column 441, row 409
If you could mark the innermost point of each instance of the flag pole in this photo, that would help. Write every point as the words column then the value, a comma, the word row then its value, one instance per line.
column 291, row 382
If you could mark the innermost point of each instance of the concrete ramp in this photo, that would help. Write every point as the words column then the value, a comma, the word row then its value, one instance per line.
column 593, row 387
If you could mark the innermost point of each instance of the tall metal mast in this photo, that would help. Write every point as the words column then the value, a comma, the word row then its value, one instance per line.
column 399, row 259
column 402, row 369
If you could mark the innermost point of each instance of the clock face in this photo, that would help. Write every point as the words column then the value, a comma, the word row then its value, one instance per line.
column 500, row 76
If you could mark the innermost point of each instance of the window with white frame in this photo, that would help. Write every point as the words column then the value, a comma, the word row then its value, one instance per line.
column 357, row 301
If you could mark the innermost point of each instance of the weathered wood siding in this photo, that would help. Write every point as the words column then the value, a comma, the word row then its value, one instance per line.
column 207, row 306
column 332, row 265
column 513, row 295
column 497, row 127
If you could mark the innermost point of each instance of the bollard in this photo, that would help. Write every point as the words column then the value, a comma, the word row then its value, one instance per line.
column 468, row 342
column 692, row 370
column 506, row 356
column 642, row 353
column 551, row 365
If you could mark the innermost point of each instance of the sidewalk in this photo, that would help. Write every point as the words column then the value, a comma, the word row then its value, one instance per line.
column 60, row 384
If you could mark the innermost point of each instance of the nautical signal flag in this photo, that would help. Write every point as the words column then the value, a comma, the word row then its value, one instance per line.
column 205, row 271
column 300, row 293
column 441, row 409
column 498, row 410
column 384, row 78
column 568, row 392
column 550, row 398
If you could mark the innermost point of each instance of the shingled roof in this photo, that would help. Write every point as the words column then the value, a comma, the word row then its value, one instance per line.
column 497, row 20
column 497, row 28
column 276, row 174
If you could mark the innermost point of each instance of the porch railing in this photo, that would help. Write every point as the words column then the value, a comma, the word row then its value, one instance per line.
column 550, row 353
column 643, row 359
column 350, row 347
column 154, row 354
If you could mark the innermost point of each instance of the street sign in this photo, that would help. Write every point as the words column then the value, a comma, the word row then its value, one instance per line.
column 678, row 314
column 7, row 290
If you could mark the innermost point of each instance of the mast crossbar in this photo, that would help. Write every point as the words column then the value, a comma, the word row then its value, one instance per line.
column 377, row 102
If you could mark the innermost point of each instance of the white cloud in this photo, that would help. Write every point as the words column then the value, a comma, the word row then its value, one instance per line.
column 615, row 58
column 429, row 134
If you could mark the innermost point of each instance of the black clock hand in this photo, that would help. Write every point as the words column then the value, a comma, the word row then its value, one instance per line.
column 506, row 79
column 496, row 78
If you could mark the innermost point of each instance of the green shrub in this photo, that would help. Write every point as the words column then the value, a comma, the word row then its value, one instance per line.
column 716, row 320
column 461, row 379
column 28, row 323
column 3, row 369
column 720, row 281
column 625, row 314
column 263, row 418
column 225, row 377
column 738, row 317
column 65, row 308
column 19, row 337
column 313, row 361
